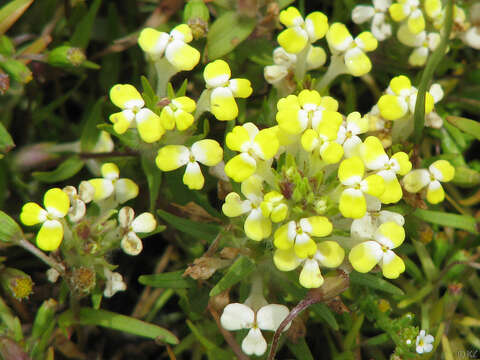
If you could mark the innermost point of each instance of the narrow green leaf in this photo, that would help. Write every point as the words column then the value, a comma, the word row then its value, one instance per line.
column 64, row 171
column 427, row 75
column 170, row 280
column 240, row 269
column 300, row 349
column 9, row 229
column 374, row 282
column 464, row 222
column 111, row 320
column 194, row 228
column 90, row 132
column 154, row 179
column 83, row 30
column 10, row 12
column 226, row 32
column 326, row 314
column 6, row 141
column 148, row 93
column 377, row 340
column 469, row 126
column 426, row 260
column 466, row 177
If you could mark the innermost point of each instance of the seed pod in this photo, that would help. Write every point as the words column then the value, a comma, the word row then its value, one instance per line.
column 196, row 15
column 16, row 283
column 17, row 70
column 66, row 56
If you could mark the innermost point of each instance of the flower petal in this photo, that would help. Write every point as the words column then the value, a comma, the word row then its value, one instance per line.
column 352, row 204
column 193, row 176
column 125, row 96
column 153, row 41
column 286, row 260
column 392, row 107
column 131, row 244
column 149, row 125
column 293, row 39
column 241, row 88
column 182, row 56
column 338, row 37
column 442, row 170
column 222, row 104
column 254, row 343
column 365, row 256
column 256, row 226
column 171, row 157
column 144, row 223
column 103, row 188
column 435, row 192
column 310, row 276
column 270, row 316
column 266, row 144
column 329, row 254
column 362, row 13
column 56, row 202
column 110, row 171
column 32, row 214
column 234, row 206
column 390, row 235
column 284, row 236
column 216, row 73
column 240, row 167
column 237, row 316
column 351, row 171
column 125, row 189
column 122, row 121
column 304, row 246
column 392, row 265
column 373, row 185
column 208, row 152
column 416, row 21
column 320, row 225
column 416, row 180
column 316, row 24
column 50, row 235
column 393, row 191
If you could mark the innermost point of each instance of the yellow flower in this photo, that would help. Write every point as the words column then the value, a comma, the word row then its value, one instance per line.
column 352, row 50
column 178, row 113
column 366, row 255
column 253, row 145
column 328, row 254
column 348, row 133
column 56, row 204
column 171, row 157
column 134, row 114
column 173, row 46
column 301, row 32
column 257, row 225
column 401, row 98
column 422, row 42
column 122, row 189
column 353, row 203
column 439, row 171
column 224, row 90
column 297, row 235
column 407, row 10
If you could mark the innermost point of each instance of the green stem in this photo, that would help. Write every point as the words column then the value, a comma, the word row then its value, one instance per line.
column 337, row 67
column 164, row 71
column 301, row 64
column 203, row 103
column 41, row 255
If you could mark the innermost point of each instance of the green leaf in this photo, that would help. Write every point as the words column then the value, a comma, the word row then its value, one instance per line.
column 154, row 179
column 111, row 320
column 10, row 13
column 83, row 31
column 464, row 222
column 300, row 349
column 64, row 171
column 469, row 126
column 9, row 229
column 226, row 32
column 374, row 282
column 194, row 228
column 170, row 280
column 427, row 75
column 90, row 132
column 239, row 270
column 466, row 177
column 324, row 312
column 6, row 141
column 148, row 94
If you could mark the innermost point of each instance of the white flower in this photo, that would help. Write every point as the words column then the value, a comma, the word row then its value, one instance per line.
column 376, row 13
column 424, row 342
column 143, row 223
column 78, row 200
column 471, row 37
column 114, row 283
column 238, row 316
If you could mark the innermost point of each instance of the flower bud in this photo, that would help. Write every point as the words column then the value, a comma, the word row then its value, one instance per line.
column 16, row 283
column 17, row 70
column 196, row 15
column 66, row 56
column 82, row 280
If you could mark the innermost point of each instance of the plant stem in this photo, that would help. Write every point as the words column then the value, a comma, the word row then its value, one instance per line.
column 336, row 68
column 41, row 255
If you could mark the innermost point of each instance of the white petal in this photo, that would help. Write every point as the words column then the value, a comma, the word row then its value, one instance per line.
column 237, row 316
column 254, row 343
column 125, row 216
column 144, row 223
column 131, row 244
column 362, row 13
column 270, row 317
column 364, row 228
column 382, row 5
column 437, row 92
column 281, row 57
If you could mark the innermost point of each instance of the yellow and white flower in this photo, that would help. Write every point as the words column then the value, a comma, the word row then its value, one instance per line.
column 56, row 204
column 424, row 342
column 178, row 113
column 260, row 209
column 328, row 254
column 207, row 151
column 400, row 99
column 408, row 11
column 134, row 114
column 238, row 316
column 254, row 145
column 366, row 255
column 423, row 42
column 78, row 200
column 364, row 229
column 439, row 171
column 224, row 90
column 375, row 158
column 353, row 203
column 174, row 46
column 111, row 185
column 342, row 43
column 300, row 32
column 297, row 235
column 380, row 28
column 354, row 125
column 322, row 140
column 131, row 225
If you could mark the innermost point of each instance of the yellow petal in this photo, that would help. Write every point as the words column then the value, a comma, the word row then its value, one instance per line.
column 103, row 188
column 50, row 235
column 110, row 171
column 32, row 214
column 293, row 39
column 357, row 62
column 373, row 185
column 193, row 176
column 216, row 73
column 172, row 157
column 442, row 170
column 331, row 152
column 56, row 202
column 316, row 24
column 285, row 260
column 284, row 236
column 234, row 206
column 182, row 32
column 403, row 161
column 125, row 96
column 316, row 57
column 435, row 192
column 153, row 41
column 237, row 138
column 366, row 41
column 329, row 254
column 208, row 152
column 149, row 126
column 266, row 144
column 240, row 167
column 351, row 170
column 310, row 276
column 416, row 21
column 304, row 246
column 290, row 17
column 338, row 37
column 167, row 118
column 416, row 180
column 241, row 88
column 256, row 226
column 320, row 226
column 392, row 265
column 433, row 7
column 182, row 56
column 365, row 256
column 400, row 84
column 125, row 189
column 373, row 154
column 223, row 105
column 397, row 12
column 393, row 191
column 309, row 97
column 390, row 234
column 183, row 120
column 391, row 107
column 184, row 103
column 352, row 204
column 121, row 121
